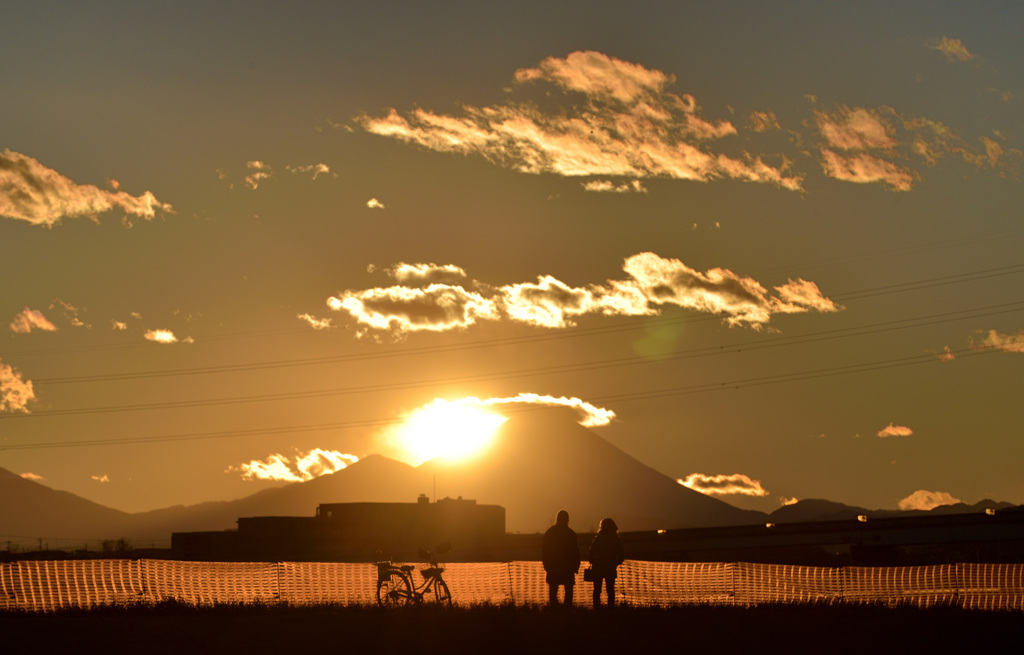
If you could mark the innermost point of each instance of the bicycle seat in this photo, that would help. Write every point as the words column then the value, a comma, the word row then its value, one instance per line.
column 407, row 567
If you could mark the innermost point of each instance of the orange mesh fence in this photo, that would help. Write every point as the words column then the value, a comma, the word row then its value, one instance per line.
column 53, row 585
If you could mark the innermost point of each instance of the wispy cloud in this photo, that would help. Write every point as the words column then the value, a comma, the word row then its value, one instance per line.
column 628, row 125
column 607, row 186
column 954, row 49
column 373, row 203
column 589, row 415
column 32, row 192
column 892, row 430
column 15, row 391
column 100, row 478
column 299, row 468
column 32, row 476
column 735, row 484
column 995, row 340
column 31, row 319
column 927, row 500
column 315, row 170
column 316, row 323
column 879, row 145
column 653, row 282
column 258, row 171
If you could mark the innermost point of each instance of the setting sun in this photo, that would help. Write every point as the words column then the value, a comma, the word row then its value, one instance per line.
column 452, row 430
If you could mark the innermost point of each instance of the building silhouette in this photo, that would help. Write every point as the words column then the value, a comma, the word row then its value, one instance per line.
column 355, row 532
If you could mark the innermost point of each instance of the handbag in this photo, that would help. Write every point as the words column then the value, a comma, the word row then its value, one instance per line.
column 588, row 574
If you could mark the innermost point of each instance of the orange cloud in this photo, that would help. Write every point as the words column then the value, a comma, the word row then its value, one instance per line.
column 653, row 282
column 628, row 125
column 927, row 500
column 32, row 192
column 15, row 391
column 995, row 340
column 954, row 49
column 31, row 319
column 32, row 476
column 164, row 336
column 590, row 415
column 607, row 186
column 313, row 464
column 735, row 484
column 895, row 431
column 258, row 171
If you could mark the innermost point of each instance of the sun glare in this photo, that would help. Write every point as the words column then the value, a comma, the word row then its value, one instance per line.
column 450, row 430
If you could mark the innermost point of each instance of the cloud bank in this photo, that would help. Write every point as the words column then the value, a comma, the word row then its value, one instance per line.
column 431, row 300
column 607, row 118
column 995, row 340
column 311, row 465
column 618, row 119
column 31, row 319
column 927, row 500
column 15, row 391
column 735, row 484
column 32, row 192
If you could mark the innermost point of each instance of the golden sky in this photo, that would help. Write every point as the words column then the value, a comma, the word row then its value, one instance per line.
column 771, row 250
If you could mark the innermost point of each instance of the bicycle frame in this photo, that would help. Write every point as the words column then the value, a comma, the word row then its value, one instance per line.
column 397, row 586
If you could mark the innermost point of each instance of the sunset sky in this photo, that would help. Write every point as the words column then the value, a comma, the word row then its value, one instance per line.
column 772, row 250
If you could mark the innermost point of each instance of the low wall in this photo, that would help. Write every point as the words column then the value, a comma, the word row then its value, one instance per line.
column 52, row 585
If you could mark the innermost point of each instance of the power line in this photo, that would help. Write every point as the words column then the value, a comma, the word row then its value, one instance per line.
column 705, row 351
column 617, row 398
column 432, row 350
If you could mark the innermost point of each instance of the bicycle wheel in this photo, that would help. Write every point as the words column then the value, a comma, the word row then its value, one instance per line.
column 441, row 594
column 393, row 590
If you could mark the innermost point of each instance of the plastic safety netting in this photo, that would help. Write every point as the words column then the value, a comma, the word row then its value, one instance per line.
column 51, row 585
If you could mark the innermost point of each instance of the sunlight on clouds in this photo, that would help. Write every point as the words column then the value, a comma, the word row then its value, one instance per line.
column 954, row 49
column 654, row 282
column 100, row 478
column 629, row 125
column 315, row 169
column 31, row 319
column 607, row 186
column 373, row 203
column 995, row 340
column 788, row 500
column 313, row 464
column 927, row 500
column 165, row 336
column 32, row 476
column 31, row 192
column 895, row 431
column 420, row 274
column 737, row 483
column 258, row 171
column 316, row 323
column 15, row 392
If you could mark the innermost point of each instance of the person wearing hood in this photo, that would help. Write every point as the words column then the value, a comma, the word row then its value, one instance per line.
column 606, row 553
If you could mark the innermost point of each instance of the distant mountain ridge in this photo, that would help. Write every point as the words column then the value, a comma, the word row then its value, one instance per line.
column 539, row 463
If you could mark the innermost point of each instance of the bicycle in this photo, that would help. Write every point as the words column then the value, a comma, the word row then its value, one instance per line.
column 396, row 585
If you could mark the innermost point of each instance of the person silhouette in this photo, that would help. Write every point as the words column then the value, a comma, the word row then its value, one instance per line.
column 561, row 557
column 606, row 553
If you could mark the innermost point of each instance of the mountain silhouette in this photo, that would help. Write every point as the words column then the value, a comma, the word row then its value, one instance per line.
column 541, row 461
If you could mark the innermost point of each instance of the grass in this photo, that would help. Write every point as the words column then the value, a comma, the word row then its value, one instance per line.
column 177, row 628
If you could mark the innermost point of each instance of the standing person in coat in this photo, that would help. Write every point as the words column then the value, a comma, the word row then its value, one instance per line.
column 605, row 556
column 561, row 557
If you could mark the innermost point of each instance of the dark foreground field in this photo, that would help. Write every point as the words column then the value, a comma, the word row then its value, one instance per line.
column 172, row 628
